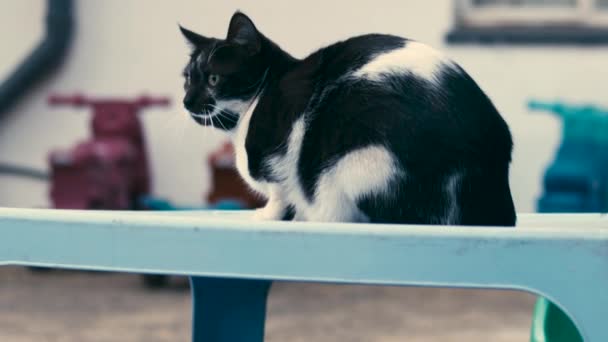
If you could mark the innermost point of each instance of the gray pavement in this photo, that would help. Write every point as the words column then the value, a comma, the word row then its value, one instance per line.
column 80, row 307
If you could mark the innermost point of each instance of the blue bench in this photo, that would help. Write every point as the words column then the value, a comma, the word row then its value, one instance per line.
column 232, row 260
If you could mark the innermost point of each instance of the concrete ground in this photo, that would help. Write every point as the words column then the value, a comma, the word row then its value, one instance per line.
column 80, row 307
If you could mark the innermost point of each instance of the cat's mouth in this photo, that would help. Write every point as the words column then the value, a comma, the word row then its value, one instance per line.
column 203, row 119
column 214, row 116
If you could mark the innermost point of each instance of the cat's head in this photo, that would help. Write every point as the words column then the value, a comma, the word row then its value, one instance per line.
column 223, row 76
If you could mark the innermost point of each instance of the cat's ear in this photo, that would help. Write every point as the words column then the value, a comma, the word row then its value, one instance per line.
column 194, row 39
column 242, row 31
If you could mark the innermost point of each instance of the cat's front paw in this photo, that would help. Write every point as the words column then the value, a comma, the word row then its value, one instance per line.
column 268, row 213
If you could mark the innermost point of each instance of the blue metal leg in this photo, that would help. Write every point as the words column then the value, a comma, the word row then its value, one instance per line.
column 228, row 310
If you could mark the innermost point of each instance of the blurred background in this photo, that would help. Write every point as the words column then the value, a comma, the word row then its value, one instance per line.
column 527, row 55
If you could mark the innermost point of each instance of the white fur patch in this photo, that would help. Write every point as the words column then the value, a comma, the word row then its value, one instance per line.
column 285, row 167
column 275, row 207
column 239, row 138
column 237, row 106
column 366, row 171
column 414, row 57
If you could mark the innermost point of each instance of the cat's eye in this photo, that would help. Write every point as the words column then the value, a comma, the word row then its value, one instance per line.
column 213, row 79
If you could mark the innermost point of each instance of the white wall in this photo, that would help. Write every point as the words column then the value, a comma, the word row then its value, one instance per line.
column 124, row 47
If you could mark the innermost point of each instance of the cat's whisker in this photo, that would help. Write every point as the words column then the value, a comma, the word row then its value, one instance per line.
column 209, row 118
column 254, row 85
column 258, row 83
column 212, row 116
column 219, row 119
column 227, row 117
column 222, row 111
column 197, row 115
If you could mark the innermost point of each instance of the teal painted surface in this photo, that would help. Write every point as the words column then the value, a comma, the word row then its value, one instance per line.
column 228, row 310
column 550, row 324
column 562, row 257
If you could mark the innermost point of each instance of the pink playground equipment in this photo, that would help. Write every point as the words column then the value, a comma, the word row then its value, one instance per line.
column 110, row 169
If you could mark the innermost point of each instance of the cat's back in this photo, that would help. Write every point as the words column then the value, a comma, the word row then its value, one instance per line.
column 373, row 55
column 401, row 87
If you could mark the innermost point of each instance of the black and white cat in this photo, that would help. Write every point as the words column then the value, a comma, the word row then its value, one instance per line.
column 376, row 128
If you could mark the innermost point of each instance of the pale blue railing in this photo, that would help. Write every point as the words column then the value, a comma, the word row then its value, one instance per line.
column 232, row 259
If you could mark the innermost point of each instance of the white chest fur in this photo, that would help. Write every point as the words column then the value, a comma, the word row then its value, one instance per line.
column 242, row 162
column 282, row 166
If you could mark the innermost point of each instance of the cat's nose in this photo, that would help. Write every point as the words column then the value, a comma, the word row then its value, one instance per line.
column 189, row 101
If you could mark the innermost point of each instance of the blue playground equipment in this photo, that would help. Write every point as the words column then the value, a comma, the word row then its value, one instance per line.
column 575, row 182
column 161, row 204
